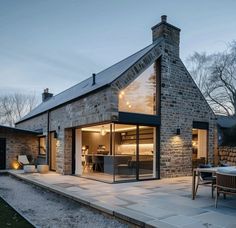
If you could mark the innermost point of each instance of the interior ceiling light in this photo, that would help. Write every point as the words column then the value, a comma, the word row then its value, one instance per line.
column 103, row 131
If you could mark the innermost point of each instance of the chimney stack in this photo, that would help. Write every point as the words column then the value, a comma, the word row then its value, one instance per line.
column 163, row 18
column 167, row 31
column 46, row 95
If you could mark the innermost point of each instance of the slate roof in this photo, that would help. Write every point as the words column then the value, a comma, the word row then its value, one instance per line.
column 226, row 121
column 103, row 78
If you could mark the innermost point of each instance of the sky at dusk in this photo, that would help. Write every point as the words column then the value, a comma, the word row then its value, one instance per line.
column 58, row 43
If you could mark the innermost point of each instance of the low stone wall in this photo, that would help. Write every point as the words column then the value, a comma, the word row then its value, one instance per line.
column 227, row 155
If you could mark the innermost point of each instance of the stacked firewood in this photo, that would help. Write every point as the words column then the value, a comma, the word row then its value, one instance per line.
column 227, row 155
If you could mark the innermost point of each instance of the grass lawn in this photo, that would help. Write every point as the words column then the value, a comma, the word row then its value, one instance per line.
column 10, row 218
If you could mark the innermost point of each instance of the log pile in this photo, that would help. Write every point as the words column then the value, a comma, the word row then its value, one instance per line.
column 227, row 155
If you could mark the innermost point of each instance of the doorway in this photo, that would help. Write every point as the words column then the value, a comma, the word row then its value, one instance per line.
column 137, row 144
column 53, row 151
column 199, row 147
column 2, row 153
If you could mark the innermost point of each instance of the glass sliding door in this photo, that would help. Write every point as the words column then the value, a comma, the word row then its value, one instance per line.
column 125, row 152
column 135, row 152
column 147, row 152
column 96, row 152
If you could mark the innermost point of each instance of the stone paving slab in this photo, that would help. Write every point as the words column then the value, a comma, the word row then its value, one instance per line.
column 218, row 218
column 158, row 223
column 158, row 203
column 180, row 220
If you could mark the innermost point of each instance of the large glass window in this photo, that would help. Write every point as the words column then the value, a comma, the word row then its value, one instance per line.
column 117, row 152
column 140, row 95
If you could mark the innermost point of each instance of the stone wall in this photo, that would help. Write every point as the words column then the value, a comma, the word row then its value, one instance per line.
column 181, row 104
column 18, row 143
column 227, row 155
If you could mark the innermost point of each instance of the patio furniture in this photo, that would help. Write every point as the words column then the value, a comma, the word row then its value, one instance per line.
column 24, row 160
column 206, row 179
column 198, row 161
column 203, row 178
column 42, row 168
column 29, row 168
column 224, row 165
column 225, row 182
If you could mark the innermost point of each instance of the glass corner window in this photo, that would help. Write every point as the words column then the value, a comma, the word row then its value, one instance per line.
column 140, row 95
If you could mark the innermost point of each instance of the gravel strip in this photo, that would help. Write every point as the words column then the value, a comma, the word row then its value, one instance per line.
column 47, row 209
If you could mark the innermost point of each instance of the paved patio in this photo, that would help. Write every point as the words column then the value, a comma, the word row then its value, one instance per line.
column 160, row 203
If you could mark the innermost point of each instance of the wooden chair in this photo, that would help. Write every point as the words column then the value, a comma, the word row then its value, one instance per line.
column 206, row 179
column 225, row 184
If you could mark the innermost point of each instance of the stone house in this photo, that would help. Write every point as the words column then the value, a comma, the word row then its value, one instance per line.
column 141, row 118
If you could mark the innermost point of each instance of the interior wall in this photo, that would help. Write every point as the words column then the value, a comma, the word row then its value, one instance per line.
column 202, row 143
column 53, row 151
column 94, row 139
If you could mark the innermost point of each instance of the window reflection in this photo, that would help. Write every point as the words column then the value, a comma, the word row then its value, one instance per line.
column 140, row 95
column 42, row 145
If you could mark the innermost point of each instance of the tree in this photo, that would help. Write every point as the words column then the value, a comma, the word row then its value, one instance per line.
column 215, row 75
column 14, row 106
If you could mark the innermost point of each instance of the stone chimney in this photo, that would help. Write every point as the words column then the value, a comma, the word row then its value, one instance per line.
column 46, row 95
column 167, row 31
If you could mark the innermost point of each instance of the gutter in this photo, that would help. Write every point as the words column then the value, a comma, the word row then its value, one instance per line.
column 48, row 135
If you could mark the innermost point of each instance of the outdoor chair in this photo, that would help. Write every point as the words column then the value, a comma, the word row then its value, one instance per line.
column 225, row 183
column 27, row 165
column 206, row 179
column 224, row 165
column 23, row 160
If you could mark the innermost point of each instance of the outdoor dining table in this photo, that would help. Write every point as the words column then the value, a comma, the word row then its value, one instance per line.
column 197, row 172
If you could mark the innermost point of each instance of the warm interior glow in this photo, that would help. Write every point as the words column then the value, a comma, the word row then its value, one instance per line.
column 103, row 131
column 144, row 86
column 15, row 165
column 107, row 128
column 199, row 143
column 134, row 145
